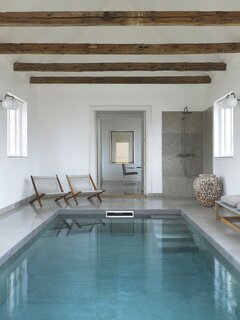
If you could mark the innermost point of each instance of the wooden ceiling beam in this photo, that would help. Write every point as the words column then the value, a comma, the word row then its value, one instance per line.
column 128, row 49
column 120, row 18
column 121, row 80
column 123, row 66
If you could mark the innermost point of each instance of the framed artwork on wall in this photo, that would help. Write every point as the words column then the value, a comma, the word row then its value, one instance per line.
column 122, row 147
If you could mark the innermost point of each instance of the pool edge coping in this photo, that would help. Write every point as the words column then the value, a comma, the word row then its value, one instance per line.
column 226, row 254
column 26, row 239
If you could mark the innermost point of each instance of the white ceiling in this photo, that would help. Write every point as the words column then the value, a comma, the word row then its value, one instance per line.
column 44, row 5
column 120, row 34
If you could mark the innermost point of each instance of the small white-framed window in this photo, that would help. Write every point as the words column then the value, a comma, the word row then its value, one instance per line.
column 223, row 129
column 17, row 129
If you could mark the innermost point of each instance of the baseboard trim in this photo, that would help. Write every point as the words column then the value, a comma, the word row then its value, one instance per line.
column 149, row 195
column 123, row 196
column 16, row 205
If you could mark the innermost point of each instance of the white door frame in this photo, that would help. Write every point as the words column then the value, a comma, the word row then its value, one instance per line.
column 93, row 137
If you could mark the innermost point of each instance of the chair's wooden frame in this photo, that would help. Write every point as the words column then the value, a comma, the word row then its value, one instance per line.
column 93, row 193
column 227, row 220
column 39, row 196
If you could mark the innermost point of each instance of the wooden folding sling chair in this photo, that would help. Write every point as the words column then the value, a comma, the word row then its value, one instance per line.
column 83, row 185
column 49, row 186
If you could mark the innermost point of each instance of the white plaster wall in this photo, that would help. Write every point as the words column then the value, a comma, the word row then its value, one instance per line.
column 229, row 168
column 66, row 135
column 14, row 172
column 110, row 123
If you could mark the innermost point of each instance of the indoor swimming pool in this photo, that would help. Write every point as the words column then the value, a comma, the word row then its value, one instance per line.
column 125, row 269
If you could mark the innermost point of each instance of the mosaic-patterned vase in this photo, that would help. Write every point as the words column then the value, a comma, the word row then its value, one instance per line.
column 207, row 188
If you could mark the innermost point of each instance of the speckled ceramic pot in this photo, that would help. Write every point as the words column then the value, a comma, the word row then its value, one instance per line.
column 207, row 188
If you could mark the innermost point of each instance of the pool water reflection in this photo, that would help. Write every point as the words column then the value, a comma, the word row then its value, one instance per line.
column 119, row 269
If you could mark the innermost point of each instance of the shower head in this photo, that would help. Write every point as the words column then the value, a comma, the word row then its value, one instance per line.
column 185, row 111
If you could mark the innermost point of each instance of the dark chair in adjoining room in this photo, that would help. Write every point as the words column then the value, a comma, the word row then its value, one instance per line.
column 128, row 173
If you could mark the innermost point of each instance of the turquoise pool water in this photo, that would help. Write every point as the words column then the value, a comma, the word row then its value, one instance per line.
column 119, row 269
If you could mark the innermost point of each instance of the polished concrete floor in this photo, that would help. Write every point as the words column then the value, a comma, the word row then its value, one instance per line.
column 123, row 187
column 21, row 224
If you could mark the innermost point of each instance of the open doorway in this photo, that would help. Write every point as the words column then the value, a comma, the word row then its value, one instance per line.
column 121, row 152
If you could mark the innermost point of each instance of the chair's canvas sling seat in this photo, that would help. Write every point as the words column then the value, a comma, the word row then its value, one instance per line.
column 83, row 185
column 49, row 186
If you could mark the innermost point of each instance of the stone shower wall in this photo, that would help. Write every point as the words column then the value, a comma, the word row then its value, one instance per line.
column 175, row 182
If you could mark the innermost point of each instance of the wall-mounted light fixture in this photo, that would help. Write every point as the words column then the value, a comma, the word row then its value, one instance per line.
column 231, row 101
column 9, row 102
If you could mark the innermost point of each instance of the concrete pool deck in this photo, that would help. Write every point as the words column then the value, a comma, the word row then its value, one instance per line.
column 20, row 225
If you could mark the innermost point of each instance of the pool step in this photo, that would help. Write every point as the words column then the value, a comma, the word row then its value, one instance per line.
column 186, row 236
column 176, row 243
column 166, row 216
column 173, row 235
column 177, row 246
column 171, row 228
column 177, row 222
